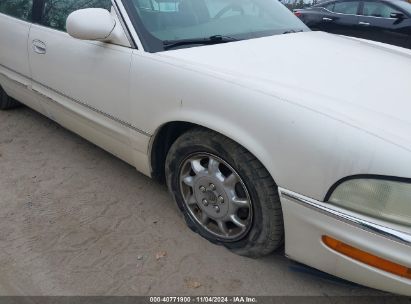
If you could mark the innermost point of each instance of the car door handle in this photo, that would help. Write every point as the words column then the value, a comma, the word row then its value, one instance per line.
column 39, row 47
column 364, row 23
column 327, row 19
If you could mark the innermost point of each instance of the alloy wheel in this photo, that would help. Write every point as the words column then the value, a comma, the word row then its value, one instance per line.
column 216, row 196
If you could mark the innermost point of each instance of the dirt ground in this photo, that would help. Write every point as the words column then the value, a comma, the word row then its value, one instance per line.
column 74, row 220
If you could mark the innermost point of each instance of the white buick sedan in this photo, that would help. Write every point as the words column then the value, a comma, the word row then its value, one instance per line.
column 265, row 132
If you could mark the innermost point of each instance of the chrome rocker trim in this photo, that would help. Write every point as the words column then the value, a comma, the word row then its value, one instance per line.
column 386, row 232
column 81, row 103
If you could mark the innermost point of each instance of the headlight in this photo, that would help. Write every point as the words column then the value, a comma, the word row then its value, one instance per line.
column 387, row 200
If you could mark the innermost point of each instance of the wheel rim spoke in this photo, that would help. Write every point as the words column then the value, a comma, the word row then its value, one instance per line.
column 192, row 200
column 189, row 181
column 238, row 222
column 213, row 167
column 197, row 166
column 204, row 218
column 240, row 203
column 231, row 181
column 223, row 227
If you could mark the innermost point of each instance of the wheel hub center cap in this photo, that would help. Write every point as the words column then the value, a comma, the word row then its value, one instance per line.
column 211, row 197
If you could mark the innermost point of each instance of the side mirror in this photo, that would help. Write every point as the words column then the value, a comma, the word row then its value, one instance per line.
column 397, row 15
column 90, row 24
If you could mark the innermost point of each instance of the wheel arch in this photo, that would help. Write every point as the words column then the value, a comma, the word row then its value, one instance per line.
column 167, row 133
column 160, row 144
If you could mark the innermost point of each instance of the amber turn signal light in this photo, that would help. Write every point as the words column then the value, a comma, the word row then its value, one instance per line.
column 367, row 258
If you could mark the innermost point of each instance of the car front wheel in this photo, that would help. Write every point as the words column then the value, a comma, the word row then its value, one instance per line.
column 225, row 193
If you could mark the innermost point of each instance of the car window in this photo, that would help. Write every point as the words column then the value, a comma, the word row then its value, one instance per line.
column 378, row 9
column 329, row 6
column 55, row 12
column 17, row 8
column 350, row 8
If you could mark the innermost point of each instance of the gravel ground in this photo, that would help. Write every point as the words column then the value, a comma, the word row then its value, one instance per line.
column 74, row 220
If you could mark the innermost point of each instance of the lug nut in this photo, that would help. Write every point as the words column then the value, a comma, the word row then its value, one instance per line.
column 217, row 209
column 220, row 200
column 205, row 202
column 203, row 189
column 212, row 187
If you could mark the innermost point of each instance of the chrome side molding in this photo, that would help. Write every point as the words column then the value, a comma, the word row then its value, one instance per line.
column 389, row 233
column 81, row 103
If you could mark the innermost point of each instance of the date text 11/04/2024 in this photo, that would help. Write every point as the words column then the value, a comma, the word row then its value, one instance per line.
column 203, row 299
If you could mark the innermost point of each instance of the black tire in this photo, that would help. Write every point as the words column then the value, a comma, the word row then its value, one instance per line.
column 7, row 102
column 266, row 229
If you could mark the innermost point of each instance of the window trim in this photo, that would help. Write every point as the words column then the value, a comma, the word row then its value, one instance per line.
column 37, row 10
column 322, row 5
column 360, row 10
column 124, row 25
column 383, row 2
column 141, row 31
column 334, row 2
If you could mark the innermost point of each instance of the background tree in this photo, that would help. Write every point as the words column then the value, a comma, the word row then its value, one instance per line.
column 16, row 8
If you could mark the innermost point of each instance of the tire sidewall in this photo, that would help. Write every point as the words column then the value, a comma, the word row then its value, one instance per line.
column 3, row 97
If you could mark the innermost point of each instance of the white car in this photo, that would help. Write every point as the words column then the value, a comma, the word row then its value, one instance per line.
column 264, row 131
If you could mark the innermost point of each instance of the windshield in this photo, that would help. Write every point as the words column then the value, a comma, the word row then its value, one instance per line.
column 159, row 22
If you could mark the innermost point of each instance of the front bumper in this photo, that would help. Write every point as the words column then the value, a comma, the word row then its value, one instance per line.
column 307, row 221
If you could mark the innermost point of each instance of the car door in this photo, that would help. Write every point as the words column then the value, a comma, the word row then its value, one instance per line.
column 379, row 25
column 15, row 22
column 89, row 78
column 319, row 17
column 343, row 18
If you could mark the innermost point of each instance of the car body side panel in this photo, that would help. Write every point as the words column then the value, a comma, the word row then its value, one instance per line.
column 84, row 86
column 341, row 24
column 93, row 73
column 305, row 150
column 387, row 30
column 13, row 47
column 318, row 18
column 284, row 137
column 14, row 64
column 99, row 129
column 19, row 88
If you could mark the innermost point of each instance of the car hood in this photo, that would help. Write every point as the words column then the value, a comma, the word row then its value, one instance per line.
column 361, row 83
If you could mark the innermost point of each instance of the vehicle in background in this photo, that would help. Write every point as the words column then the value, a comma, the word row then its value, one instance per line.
column 387, row 21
